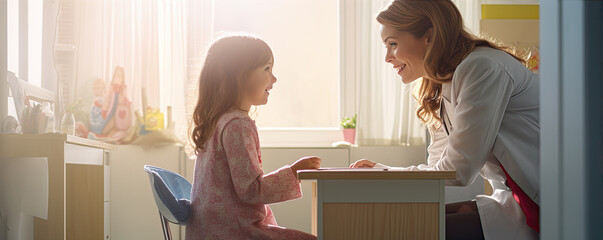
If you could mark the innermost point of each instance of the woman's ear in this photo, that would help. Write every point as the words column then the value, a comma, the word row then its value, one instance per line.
column 428, row 35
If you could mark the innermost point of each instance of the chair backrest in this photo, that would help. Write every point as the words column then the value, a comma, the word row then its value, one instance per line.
column 172, row 194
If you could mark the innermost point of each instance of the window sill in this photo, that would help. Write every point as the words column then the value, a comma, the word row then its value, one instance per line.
column 299, row 137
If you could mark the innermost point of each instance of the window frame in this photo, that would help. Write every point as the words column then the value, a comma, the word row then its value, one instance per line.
column 3, row 60
column 325, row 136
column 47, row 89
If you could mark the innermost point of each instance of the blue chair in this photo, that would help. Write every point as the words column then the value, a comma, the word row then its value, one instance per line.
column 172, row 194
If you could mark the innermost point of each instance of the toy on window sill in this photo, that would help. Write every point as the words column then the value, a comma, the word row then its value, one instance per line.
column 111, row 115
column 153, row 120
column 151, row 128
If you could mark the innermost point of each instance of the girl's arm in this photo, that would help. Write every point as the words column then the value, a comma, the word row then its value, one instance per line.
column 250, row 183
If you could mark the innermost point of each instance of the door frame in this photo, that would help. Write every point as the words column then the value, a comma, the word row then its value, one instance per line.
column 571, row 86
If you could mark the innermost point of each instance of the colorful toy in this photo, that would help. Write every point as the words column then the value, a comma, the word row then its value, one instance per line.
column 153, row 120
column 111, row 115
column 533, row 59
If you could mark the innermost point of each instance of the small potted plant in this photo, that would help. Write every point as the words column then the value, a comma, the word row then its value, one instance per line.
column 349, row 129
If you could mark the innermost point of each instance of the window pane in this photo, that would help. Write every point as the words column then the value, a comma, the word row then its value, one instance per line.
column 12, row 29
column 33, row 41
column 34, row 48
column 304, row 36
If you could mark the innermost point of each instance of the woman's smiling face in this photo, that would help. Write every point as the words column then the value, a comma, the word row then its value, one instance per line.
column 405, row 52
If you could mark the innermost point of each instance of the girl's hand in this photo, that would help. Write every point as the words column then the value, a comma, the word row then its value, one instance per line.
column 363, row 163
column 306, row 163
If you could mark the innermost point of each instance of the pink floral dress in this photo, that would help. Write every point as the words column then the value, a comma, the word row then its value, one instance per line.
column 230, row 190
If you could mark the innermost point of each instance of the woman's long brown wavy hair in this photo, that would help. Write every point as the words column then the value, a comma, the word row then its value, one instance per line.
column 229, row 60
column 450, row 44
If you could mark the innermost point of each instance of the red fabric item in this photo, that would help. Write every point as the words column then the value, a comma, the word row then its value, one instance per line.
column 530, row 209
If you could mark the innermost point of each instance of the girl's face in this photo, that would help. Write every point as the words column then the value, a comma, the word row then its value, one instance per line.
column 405, row 52
column 258, row 85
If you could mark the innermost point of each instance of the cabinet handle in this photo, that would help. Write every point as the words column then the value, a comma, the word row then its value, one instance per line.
column 106, row 158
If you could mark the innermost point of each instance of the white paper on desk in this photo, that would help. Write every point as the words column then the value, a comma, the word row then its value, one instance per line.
column 342, row 169
column 24, row 194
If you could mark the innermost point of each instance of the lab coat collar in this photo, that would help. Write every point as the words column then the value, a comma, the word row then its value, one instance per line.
column 447, row 91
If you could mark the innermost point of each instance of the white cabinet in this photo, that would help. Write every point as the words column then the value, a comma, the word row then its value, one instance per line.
column 134, row 214
column 77, row 187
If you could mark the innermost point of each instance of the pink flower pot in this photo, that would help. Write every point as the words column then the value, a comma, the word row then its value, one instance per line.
column 349, row 135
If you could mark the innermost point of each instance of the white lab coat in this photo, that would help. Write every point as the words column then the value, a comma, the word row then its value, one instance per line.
column 493, row 107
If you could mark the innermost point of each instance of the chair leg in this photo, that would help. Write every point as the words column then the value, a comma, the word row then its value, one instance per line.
column 165, row 225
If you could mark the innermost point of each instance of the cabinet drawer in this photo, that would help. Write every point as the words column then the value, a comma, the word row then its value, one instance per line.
column 77, row 154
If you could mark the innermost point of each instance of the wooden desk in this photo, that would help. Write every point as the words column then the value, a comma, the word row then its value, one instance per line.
column 377, row 204
column 78, row 199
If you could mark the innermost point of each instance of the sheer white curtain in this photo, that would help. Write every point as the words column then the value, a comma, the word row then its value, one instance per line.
column 158, row 43
column 200, row 33
column 185, row 33
column 471, row 11
column 106, row 34
column 385, row 106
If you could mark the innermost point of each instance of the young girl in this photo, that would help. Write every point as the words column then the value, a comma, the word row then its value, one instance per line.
column 230, row 190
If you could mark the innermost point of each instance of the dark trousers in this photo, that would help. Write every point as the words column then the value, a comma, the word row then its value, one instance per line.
column 463, row 222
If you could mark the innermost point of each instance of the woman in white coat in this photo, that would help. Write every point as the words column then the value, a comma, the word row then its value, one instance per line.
column 480, row 104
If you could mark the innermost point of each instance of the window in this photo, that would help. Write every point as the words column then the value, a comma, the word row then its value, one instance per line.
column 24, row 18
column 304, row 36
column 24, row 47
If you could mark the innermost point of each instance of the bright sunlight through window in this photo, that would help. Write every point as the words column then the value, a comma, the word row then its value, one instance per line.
column 304, row 36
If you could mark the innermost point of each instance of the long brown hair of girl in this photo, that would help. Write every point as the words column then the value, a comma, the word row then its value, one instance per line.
column 229, row 60
column 450, row 44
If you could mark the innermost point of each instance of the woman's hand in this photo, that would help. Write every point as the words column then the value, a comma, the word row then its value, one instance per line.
column 311, row 162
column 363, row 163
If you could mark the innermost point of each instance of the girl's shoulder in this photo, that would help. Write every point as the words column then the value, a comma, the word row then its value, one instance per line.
column 235, row 124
